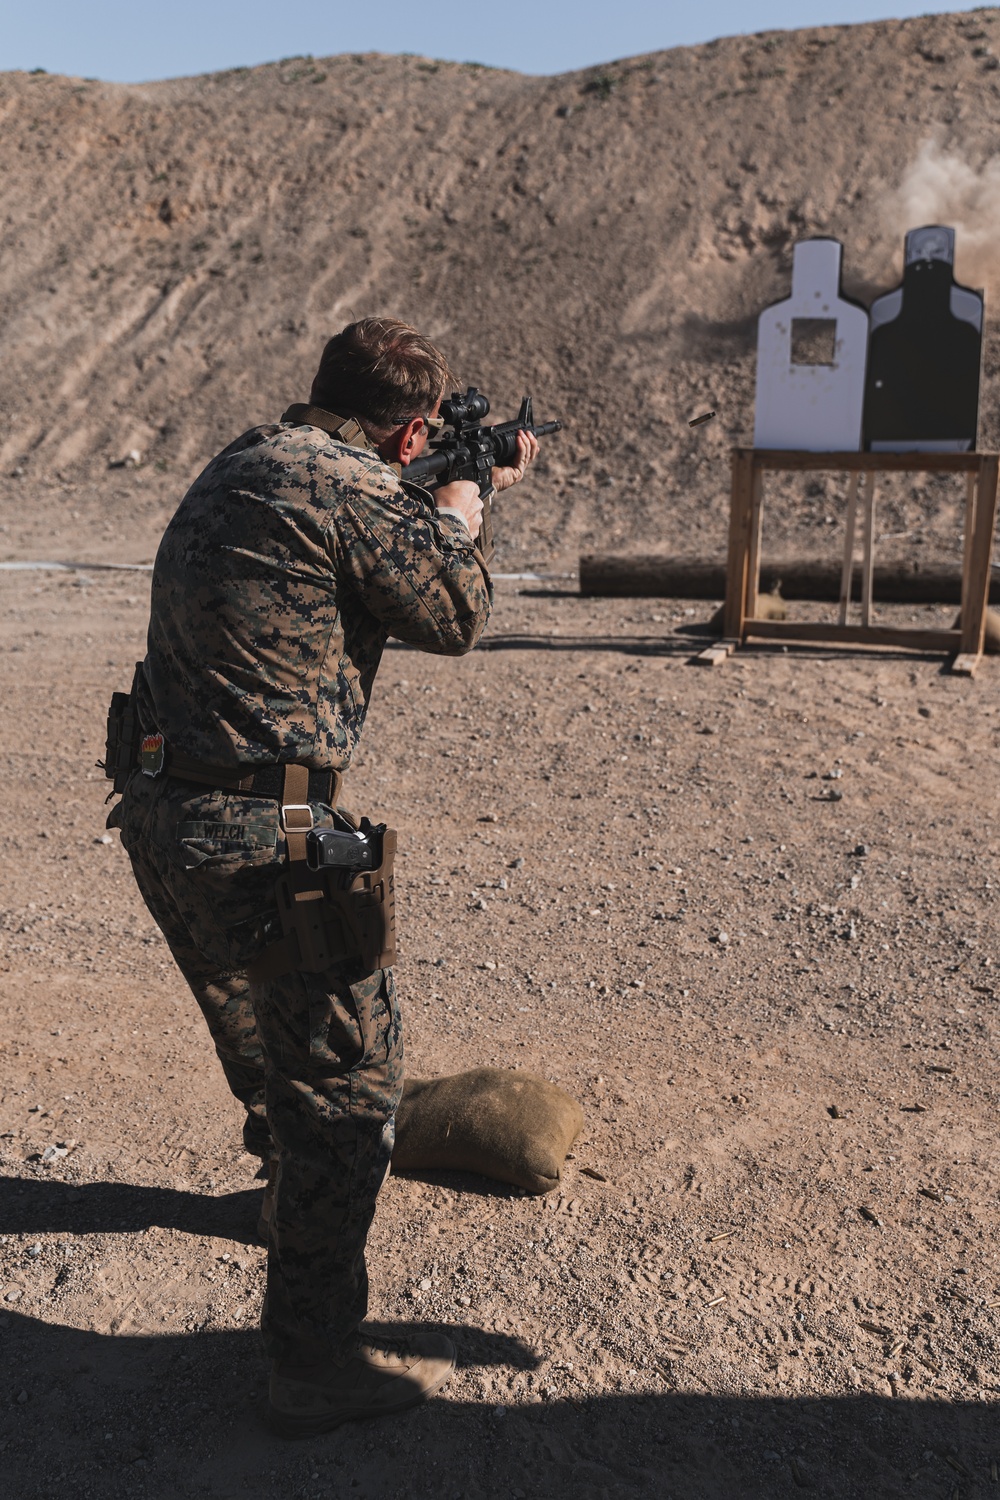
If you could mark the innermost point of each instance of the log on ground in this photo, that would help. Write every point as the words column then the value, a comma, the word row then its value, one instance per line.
column 652, row 577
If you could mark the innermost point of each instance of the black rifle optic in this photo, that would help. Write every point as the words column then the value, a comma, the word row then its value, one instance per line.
column 471, row 451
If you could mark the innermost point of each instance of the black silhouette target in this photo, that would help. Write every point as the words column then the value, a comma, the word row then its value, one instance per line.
column 924, row 354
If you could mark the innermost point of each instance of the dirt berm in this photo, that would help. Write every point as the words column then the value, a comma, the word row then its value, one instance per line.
column 172, row 255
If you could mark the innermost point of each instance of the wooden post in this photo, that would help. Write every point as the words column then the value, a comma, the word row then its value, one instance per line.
column 847, row 575
column 734, row 610
column 753, row 542
column 971, row 495
column 869, row 562
column 978, row 574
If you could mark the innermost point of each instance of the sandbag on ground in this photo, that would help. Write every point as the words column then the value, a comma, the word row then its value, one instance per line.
column 514, row 1127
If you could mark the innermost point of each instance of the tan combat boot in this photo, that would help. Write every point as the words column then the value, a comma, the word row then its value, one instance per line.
column 381, row 1376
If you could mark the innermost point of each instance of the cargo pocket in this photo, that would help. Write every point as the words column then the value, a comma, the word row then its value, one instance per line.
column 222, row 877
column 337, row 1035
column 371, row 1003
column 377, row 1079
column 201, row 841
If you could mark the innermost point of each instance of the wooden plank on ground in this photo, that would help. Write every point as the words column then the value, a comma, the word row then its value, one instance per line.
column 712, row 656
column 852, row 635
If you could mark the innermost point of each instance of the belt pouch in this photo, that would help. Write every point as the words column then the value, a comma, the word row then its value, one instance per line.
column 121, row 750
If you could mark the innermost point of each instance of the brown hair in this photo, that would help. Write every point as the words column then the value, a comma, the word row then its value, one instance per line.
column 381, row 371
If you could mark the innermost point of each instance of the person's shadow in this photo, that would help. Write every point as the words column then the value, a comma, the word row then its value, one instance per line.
column 30, row 1207
column 90, row 1416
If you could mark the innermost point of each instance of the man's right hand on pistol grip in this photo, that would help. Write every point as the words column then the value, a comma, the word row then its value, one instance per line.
column 462, row 495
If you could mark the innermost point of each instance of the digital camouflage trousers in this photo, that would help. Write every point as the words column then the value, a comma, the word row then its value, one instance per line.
column 316, row 1059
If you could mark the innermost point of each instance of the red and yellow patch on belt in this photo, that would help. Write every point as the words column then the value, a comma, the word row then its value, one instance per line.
column 151, row 755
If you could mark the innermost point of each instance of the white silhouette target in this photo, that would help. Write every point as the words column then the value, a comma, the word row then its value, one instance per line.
column 811, row 353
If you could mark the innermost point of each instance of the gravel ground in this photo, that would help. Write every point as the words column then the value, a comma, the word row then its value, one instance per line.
column 772, row 1262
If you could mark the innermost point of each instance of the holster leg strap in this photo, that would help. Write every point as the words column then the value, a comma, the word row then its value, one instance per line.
column 283, row 956
column 296, row 814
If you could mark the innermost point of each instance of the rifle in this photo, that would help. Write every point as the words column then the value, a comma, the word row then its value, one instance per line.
column 471, row 451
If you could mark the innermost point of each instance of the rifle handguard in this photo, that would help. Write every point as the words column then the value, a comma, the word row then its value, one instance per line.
column 471, row 452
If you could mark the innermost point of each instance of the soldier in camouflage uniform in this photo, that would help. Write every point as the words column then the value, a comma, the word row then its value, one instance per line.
column 288, row 564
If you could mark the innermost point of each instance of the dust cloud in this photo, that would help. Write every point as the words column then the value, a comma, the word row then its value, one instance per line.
column 941, row 187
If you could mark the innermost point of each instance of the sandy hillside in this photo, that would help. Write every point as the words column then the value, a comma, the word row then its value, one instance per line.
column 747, row 917
column 173, row 255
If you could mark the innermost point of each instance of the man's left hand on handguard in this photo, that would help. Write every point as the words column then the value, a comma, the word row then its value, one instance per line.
column 527, row 452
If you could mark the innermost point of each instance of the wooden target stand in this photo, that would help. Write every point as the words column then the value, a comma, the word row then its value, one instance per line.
column 749, row 465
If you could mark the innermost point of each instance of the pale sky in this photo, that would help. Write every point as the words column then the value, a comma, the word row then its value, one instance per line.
column 132, row 40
